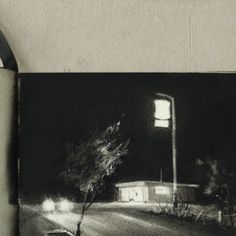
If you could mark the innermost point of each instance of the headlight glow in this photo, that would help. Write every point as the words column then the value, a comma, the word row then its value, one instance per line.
column 48, row 205
column 65, row 206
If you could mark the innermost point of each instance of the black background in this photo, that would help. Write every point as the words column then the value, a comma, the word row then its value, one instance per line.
column 58, row 107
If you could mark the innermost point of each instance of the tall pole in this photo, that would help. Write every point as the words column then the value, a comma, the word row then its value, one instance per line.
column 160, row 174
column 174, row 150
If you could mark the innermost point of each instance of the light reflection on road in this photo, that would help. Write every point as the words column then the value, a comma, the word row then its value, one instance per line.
column 110, row 224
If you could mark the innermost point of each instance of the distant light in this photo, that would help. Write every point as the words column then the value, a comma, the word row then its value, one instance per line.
column 65, row 206
column 48, row 205
column 1, row 63
column 162, row 109
column 161, row 123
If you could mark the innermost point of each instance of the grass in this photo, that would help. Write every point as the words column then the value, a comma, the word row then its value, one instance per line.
column 181, row 211
column 206, row 215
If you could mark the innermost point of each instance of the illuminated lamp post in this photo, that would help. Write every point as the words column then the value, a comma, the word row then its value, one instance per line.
column 164, row 113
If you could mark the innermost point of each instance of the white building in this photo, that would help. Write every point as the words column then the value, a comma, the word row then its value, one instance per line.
column 155, row 191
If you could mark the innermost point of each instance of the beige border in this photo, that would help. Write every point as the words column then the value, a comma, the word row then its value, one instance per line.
column 116, row 36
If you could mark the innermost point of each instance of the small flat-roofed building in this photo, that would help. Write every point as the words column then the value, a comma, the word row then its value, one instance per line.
column 155, row 191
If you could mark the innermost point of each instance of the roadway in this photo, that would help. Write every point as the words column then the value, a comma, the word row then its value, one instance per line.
column 105, row 221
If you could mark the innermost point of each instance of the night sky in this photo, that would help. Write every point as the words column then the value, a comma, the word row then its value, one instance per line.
column 56, row 108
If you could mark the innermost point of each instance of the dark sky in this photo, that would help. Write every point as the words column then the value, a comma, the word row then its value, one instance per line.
column 58, row 107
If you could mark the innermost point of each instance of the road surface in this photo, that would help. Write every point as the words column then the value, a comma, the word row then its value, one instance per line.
column 121, row 221
column 100, row 221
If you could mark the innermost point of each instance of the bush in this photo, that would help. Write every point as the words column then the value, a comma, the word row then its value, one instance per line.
column 181, row 211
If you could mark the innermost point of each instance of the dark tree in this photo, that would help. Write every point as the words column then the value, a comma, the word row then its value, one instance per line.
column 90, row 161
column 220, row 184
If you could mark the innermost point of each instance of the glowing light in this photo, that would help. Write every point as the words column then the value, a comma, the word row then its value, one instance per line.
column 162, row 109
column 161, row 123
column 65, row 206
column 162, row 113
column 48, row 205
column 1, row 63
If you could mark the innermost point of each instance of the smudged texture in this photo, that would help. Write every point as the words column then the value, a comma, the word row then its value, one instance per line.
column 8, row 157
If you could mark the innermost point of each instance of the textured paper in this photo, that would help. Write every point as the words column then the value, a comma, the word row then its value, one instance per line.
column 118, row 36
column 7, row 210
column 111, row 35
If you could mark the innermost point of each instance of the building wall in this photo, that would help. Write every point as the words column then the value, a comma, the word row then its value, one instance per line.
column 156, row 194
column 164, row 194
column 145, row 191
column 133, row 194
column 186, row 194
column 160, row 193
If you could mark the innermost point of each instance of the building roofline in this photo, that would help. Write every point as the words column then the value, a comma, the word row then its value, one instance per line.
column 151, row 183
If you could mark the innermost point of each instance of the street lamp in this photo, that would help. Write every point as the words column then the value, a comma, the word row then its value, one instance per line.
column 164, row 112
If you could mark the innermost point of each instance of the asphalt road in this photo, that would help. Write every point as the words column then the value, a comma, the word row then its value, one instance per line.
column 100, row 221
column 32, row 223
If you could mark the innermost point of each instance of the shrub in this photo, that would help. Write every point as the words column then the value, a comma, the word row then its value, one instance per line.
column 181, row 211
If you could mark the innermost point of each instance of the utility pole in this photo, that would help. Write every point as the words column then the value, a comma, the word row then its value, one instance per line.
column 174, row 150
column 160, row 174
column 173, row 135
